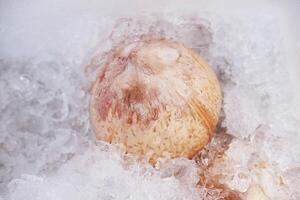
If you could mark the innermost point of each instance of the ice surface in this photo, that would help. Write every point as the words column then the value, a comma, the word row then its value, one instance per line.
column 46, row 145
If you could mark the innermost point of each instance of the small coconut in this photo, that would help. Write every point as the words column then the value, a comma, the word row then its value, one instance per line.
column 155, row 98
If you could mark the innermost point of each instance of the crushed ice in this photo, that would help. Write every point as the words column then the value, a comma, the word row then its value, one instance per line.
column 46, row 145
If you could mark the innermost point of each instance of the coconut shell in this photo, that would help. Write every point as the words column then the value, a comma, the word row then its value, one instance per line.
column 156, row 99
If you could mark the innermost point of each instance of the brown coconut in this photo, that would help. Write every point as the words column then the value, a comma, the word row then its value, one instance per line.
column 156, row 99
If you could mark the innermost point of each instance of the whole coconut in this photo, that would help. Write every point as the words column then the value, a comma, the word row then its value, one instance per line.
column 156, row 98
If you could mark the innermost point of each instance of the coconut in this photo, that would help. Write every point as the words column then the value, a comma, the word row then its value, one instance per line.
column 156, row 99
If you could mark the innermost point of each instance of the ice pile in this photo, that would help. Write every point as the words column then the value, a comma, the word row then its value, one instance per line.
column 99, row 174
column 43, row 94
column 46, row 145
column 255, row 61
column 42, row 117
column 261, row 106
